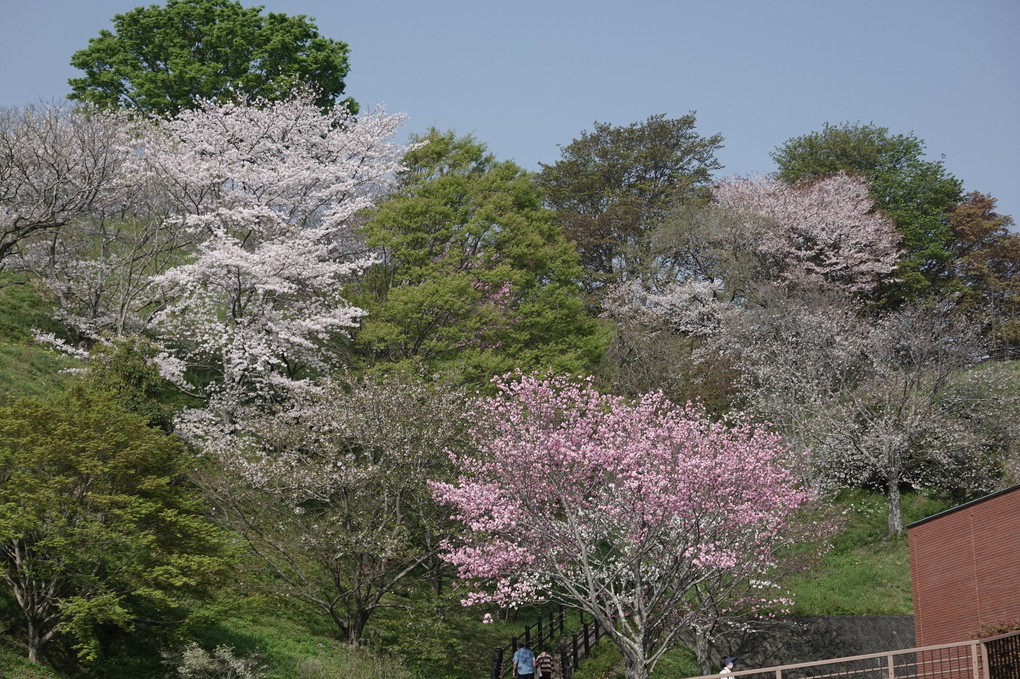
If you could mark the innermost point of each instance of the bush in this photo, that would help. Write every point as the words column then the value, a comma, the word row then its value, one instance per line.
column 194, row 662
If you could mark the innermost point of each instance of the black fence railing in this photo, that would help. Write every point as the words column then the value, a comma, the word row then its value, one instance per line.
column 1004, row 657
column 579, row 647
column 549, row 631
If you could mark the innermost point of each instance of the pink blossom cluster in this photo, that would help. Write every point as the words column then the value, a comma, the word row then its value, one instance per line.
column 825, row 230
column 616, row 506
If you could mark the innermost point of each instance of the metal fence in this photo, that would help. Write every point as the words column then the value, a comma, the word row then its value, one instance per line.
column 993, row 658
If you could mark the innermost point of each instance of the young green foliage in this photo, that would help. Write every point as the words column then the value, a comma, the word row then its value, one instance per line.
column 473, row 271
column 611, row 185
column 95, row 521
column 159, row 59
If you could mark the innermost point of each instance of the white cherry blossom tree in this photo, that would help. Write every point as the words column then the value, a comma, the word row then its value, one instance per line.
column 825, row 231
column 58, row 165
column 267, row 191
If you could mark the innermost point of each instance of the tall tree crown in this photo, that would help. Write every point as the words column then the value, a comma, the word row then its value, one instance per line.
column 612, row 184
column 915, row 193
column 158, row 60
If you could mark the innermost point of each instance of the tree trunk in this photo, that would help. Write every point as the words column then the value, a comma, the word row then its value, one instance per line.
column 34, row 643
column 702, row 651
column 635, row 669
column 892, row 498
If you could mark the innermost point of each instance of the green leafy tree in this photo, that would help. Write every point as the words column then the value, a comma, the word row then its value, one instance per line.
column 158, row 59
column 611, row 185
column 474, row 273
column 95, row 521
column 915, row 193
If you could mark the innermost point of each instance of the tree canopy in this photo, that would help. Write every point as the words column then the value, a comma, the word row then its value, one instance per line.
column 645, row 515
column 474, row 271
column 95, row 522
column 986, row 265
column 612, row 184
column 158, row 60
column 914, row 192
column 58, row 166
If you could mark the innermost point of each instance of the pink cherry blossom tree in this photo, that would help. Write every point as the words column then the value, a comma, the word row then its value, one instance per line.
column 825, row 231
column 643, row 514
column 267, row 191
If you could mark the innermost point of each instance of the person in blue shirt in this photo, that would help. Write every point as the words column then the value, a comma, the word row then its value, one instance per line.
column 524, row 663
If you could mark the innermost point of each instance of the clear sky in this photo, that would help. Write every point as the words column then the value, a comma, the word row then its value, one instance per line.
column 527, row 75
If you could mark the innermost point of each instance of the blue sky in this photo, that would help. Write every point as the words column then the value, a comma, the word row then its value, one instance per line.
column 528, row 75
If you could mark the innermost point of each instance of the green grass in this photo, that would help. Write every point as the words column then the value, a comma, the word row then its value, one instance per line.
column 292, row 651
column 26, row 367
column 15, row 665
column 289, row 647
column 606, row 662
column 865, row 573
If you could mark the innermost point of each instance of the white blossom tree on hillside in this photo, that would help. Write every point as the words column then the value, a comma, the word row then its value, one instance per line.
column 759, row 236
column 864, row 393
column 58, row 165
column 267, row 190
column 329, row 491
column 101, row 268
column 825, row 231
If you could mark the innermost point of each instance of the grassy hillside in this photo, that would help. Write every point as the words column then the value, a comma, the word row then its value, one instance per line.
column 865, row 572
column 26, row 367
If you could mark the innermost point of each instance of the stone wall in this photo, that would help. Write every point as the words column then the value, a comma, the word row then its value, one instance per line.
column 791, row 640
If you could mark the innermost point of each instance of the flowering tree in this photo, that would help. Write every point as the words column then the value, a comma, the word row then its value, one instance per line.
column 865, row 393
column 758, row 239
column 643, row 514
column 825, row 231
column 56, row 166
column 101, row 268
column 266, row 189
column 328, row 492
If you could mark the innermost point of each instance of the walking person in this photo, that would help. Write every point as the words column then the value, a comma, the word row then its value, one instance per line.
column 524, row 663
column 545, row 665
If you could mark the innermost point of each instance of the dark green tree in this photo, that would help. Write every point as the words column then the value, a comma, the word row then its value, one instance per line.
column 96, row 520
column 158, row 59
column 915, row 193
column 474, row 273
column 612, row 185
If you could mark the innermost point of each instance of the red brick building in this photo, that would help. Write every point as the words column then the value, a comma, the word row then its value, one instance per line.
column 965, row 568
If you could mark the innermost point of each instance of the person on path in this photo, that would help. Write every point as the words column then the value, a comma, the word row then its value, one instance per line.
column 727, row 665
column 524, row 663
column 545, row 664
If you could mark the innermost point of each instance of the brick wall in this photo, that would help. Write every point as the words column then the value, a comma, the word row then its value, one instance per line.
column 965, row 568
